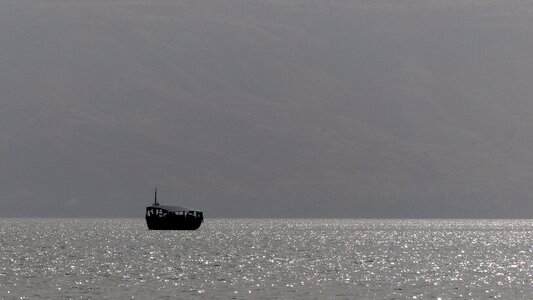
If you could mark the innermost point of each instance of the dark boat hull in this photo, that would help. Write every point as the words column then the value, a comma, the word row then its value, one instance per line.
column 173, row 223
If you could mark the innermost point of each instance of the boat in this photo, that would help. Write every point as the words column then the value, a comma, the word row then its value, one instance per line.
column 163, row 217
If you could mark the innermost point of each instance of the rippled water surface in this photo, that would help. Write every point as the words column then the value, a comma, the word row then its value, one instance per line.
column 233, row 258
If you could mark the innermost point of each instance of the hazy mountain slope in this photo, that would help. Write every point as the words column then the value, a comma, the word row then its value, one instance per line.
column 267, row 108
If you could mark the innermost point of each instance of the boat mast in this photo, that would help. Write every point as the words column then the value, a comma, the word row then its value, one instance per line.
column 155, row 198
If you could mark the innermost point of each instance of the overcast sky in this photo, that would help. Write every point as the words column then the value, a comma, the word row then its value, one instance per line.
column 271, row 108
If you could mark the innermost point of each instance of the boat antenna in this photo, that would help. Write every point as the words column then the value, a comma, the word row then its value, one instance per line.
column 155, row 197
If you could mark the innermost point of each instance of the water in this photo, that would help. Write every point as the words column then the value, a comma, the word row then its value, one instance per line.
column 234, row 258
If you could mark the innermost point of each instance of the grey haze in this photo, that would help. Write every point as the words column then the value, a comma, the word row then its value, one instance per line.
column 271, row 108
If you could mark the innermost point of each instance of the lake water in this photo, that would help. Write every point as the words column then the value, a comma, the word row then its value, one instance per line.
column 266, row 258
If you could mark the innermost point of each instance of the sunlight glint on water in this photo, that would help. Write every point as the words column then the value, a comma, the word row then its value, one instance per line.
column 120, row 258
